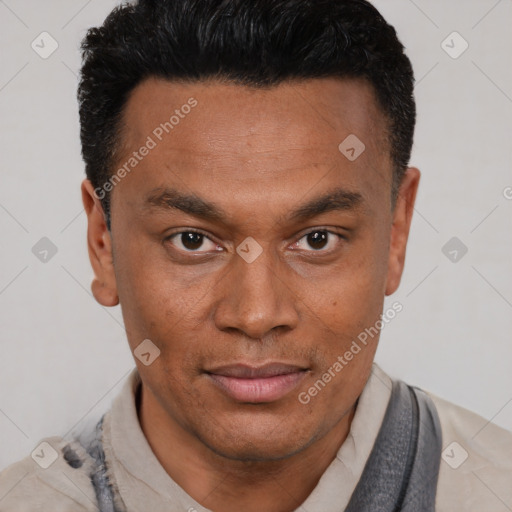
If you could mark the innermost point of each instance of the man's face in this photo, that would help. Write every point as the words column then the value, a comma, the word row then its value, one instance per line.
column 241, row 339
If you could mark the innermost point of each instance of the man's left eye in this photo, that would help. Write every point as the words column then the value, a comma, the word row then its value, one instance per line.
column 318, row 240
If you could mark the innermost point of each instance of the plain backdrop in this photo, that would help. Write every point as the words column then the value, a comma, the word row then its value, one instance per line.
column 63, row 357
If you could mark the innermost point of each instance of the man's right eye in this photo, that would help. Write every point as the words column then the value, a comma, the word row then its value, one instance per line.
column 192, row 241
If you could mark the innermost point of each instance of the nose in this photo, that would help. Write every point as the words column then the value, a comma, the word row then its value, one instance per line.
column 257, row 298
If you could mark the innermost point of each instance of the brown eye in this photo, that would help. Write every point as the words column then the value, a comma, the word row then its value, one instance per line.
column 192, row 241
column 318, row 239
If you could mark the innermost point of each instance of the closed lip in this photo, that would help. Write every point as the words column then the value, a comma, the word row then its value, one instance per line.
column 247, row 371
column 257, row 384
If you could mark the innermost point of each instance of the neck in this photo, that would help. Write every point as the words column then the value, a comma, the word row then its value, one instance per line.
column 222, row 484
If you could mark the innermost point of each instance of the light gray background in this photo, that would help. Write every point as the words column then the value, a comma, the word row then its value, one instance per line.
column 63, row 357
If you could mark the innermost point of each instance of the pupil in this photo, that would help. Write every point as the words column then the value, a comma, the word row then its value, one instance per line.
column 192, row 241
column 317, row 240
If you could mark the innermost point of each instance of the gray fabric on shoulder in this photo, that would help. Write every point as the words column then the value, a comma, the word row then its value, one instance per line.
column 108, row 500
column 402, row 470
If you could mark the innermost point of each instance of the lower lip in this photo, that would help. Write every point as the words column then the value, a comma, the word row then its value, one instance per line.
column 262, row 390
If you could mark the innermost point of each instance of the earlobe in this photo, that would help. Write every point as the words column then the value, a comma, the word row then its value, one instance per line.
column 402, row 217
column 99, row 244
column 105, row 295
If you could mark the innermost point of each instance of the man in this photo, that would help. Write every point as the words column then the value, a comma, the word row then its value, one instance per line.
column 249, row 203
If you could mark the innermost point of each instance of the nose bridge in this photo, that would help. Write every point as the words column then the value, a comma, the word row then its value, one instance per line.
column 255, row 300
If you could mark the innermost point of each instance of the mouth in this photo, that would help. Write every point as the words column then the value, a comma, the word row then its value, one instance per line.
column 263, row 384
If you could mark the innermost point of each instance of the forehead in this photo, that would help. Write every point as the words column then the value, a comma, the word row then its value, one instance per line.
column 259, row 136
column 319, row 111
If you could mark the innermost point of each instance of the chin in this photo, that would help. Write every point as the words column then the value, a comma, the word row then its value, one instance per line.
column 255, row 441
column 252, row 452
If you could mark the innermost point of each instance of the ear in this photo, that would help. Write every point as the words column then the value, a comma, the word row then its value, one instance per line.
column 402, row 217
column 99, row 244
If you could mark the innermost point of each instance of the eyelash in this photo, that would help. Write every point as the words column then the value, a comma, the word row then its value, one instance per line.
column 312, row 251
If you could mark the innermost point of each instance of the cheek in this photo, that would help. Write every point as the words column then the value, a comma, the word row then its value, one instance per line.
column 352, row 293
column 344, row 309
column 157, row 299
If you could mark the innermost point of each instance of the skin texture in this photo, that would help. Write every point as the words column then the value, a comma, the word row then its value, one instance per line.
column 258, row 155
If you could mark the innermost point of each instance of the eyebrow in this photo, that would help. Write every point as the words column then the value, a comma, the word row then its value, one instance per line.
column 171, row 199
column 164, row 199
column 336, row 200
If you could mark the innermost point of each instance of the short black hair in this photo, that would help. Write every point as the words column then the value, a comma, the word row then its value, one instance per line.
column 254, row 43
